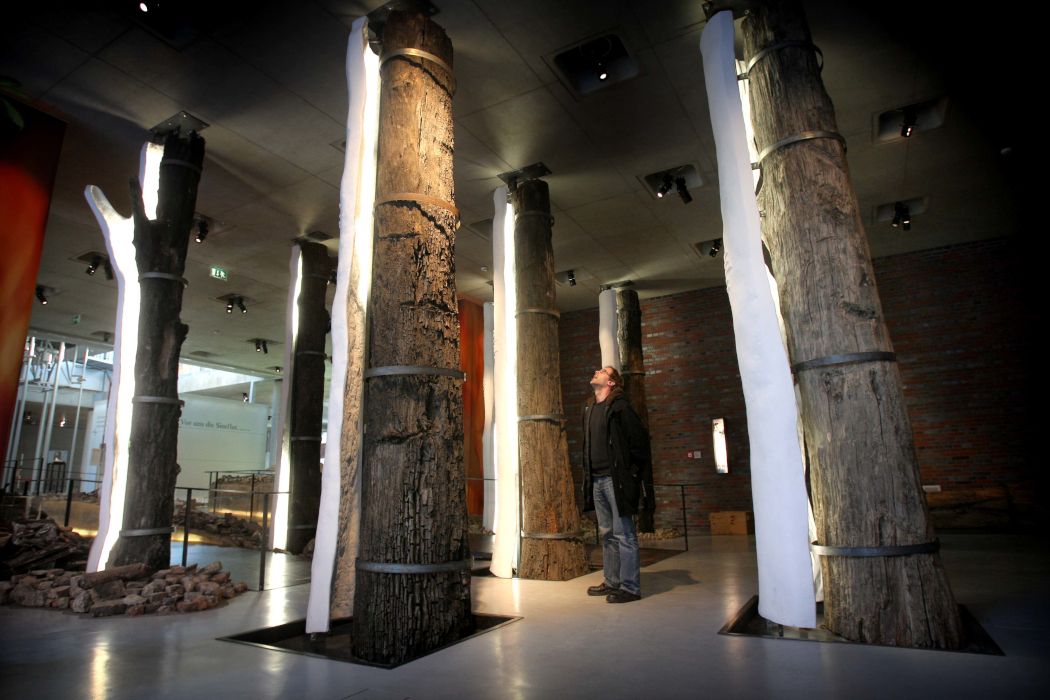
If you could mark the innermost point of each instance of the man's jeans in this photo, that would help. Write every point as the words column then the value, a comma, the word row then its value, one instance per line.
column 619, row 540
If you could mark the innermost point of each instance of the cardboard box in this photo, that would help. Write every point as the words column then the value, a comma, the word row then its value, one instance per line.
column 732, row 522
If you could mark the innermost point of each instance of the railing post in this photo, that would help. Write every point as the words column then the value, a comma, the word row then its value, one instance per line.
column 265, row 540
column 251, row 500
column 69, row 502
column 685, row 522
column 186, row 525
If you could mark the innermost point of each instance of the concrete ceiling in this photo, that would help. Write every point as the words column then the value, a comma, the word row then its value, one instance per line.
column 270, row 84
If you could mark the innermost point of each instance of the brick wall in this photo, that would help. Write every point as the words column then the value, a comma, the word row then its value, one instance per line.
column 957, row 322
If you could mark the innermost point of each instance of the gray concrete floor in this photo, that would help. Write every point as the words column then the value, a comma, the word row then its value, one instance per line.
column 566, row 646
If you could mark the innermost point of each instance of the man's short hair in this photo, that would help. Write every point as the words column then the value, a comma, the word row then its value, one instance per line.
column 614, row 376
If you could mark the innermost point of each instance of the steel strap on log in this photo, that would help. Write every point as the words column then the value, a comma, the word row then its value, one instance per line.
column 403, row 370
column 163, row 276
column 896, row 550
column 849, row 358
column 797, row 138
column 305, row 438
column 426, row 56
column 391, row 568
column 158, row 399
column 534, row 213
column 419, row 199
column 536, row 310
column 176, row 163
column 550, row 417
column 311, row 352
column 777, row 47
column 551, row 535
column 145, row 532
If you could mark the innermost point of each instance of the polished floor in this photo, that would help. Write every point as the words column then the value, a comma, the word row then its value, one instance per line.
column 566, row 646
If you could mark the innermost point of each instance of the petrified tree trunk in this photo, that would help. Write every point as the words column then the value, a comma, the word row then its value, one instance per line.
column 865, row 478
column 413, row 571
column 629, row 340
column 160, row 254
column 551, row 548
column 307, row 397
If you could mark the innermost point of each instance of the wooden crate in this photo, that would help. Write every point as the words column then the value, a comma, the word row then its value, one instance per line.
column 732, row 522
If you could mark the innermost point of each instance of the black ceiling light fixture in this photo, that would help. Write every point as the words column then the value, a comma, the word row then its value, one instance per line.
column 909, row 121
column 41, row 294
column 202, row 230
column 229, row 305
column 680, row 179
column 244, row 396
column 95, row 263
column 665, row 186
column 594, row 64
column 241, row 306
column 683, row 191
column 901, row 216
column 716, row 247
column 258, row 345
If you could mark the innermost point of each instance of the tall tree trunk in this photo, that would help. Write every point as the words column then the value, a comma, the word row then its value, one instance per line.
column 551, row 548
column 865, row 477
column 413, row 575
column 307, row 397
column 160, row 255
column 629, row 340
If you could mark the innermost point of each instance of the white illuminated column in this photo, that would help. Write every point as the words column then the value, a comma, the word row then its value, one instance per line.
column 778, row 490
column 353, row 276
column 607, row 329
column 119, row 233
column 282, row 480
column 505, row 380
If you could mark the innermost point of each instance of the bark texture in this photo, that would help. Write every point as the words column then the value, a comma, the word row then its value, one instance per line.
column 547, row 493
column 160, row 246
column 307, row 397
column 413, row 495
column 629, row 339
column 865, row 479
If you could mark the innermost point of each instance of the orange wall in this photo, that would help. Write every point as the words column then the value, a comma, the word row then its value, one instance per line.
column 472, row 361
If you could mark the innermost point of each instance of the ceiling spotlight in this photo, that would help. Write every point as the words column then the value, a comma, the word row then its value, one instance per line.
column 229, row 305
column 901, row 216
column 93, row 266
column 202, row 231
column 143, row 7
column 276, row 369
column 266, row 350
column 572, row 278
column 244, row 396
column 716, row 245
column 241, row 306
column 258, row 345
column 909, row 122
column 602, row 71
column 666, row 186
column 683, row 191
column 62, row 422
column 40, row 295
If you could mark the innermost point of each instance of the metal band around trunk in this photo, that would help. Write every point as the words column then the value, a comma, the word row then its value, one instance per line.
column 157, row 399
column 534, row 213
column 163, row 276
column 391, row 568
column 898, row 550
column 176, row 163
column 802, row 136
column 777, row 47
column 305, row 438
column 536, row 310
column 551, row 535
column 311, row 352
column 419, row 198
column 418, row 53
column 849, row 358
column 148, row 531
column 398, row 370
column 551, row 417
column 632, row 371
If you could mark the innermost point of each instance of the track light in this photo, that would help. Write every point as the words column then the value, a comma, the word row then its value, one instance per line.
column 229, row 305
column 572, row 278
column 266, row 350
column 40, row 295
column 683, row 191
column 665, row 187
column 241, row 306
column 909, row 123
column 202, row 231
column 258, row 345
column 244, row 396
column 602, row 71
column 716, row 246
column 901, row 216
column 93, row 266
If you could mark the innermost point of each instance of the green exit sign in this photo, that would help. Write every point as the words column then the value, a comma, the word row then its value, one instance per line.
column 219, row 274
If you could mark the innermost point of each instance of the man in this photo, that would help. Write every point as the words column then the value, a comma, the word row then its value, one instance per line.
column 617, row 483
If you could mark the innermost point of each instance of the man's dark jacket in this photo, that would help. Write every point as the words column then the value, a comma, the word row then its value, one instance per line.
column 630, row 462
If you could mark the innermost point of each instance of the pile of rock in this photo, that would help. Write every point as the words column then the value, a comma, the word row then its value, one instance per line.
column 124, row 590
column 36, row 544
column 229, row 530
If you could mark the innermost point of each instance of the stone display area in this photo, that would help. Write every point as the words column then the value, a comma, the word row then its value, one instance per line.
column 124, row 590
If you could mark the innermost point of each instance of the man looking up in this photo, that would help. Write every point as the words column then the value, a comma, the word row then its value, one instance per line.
column 617, row 483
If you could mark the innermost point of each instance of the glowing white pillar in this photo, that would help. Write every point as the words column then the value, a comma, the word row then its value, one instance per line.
column 283, row 477
column 784, row 576
column 505, row 380
column 119, row 233
column 607, row 329
column 353, row 274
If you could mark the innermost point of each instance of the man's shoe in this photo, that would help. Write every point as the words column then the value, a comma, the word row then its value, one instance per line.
column 601, row 590
column 622, row 596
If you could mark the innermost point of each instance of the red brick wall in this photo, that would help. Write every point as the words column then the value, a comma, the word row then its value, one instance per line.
column 957, row 325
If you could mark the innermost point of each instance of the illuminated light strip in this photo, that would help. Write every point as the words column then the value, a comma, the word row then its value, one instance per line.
column 353, row 276
column 505, row 397
column 279, row 531
column 119, row 233
column 607, row 329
